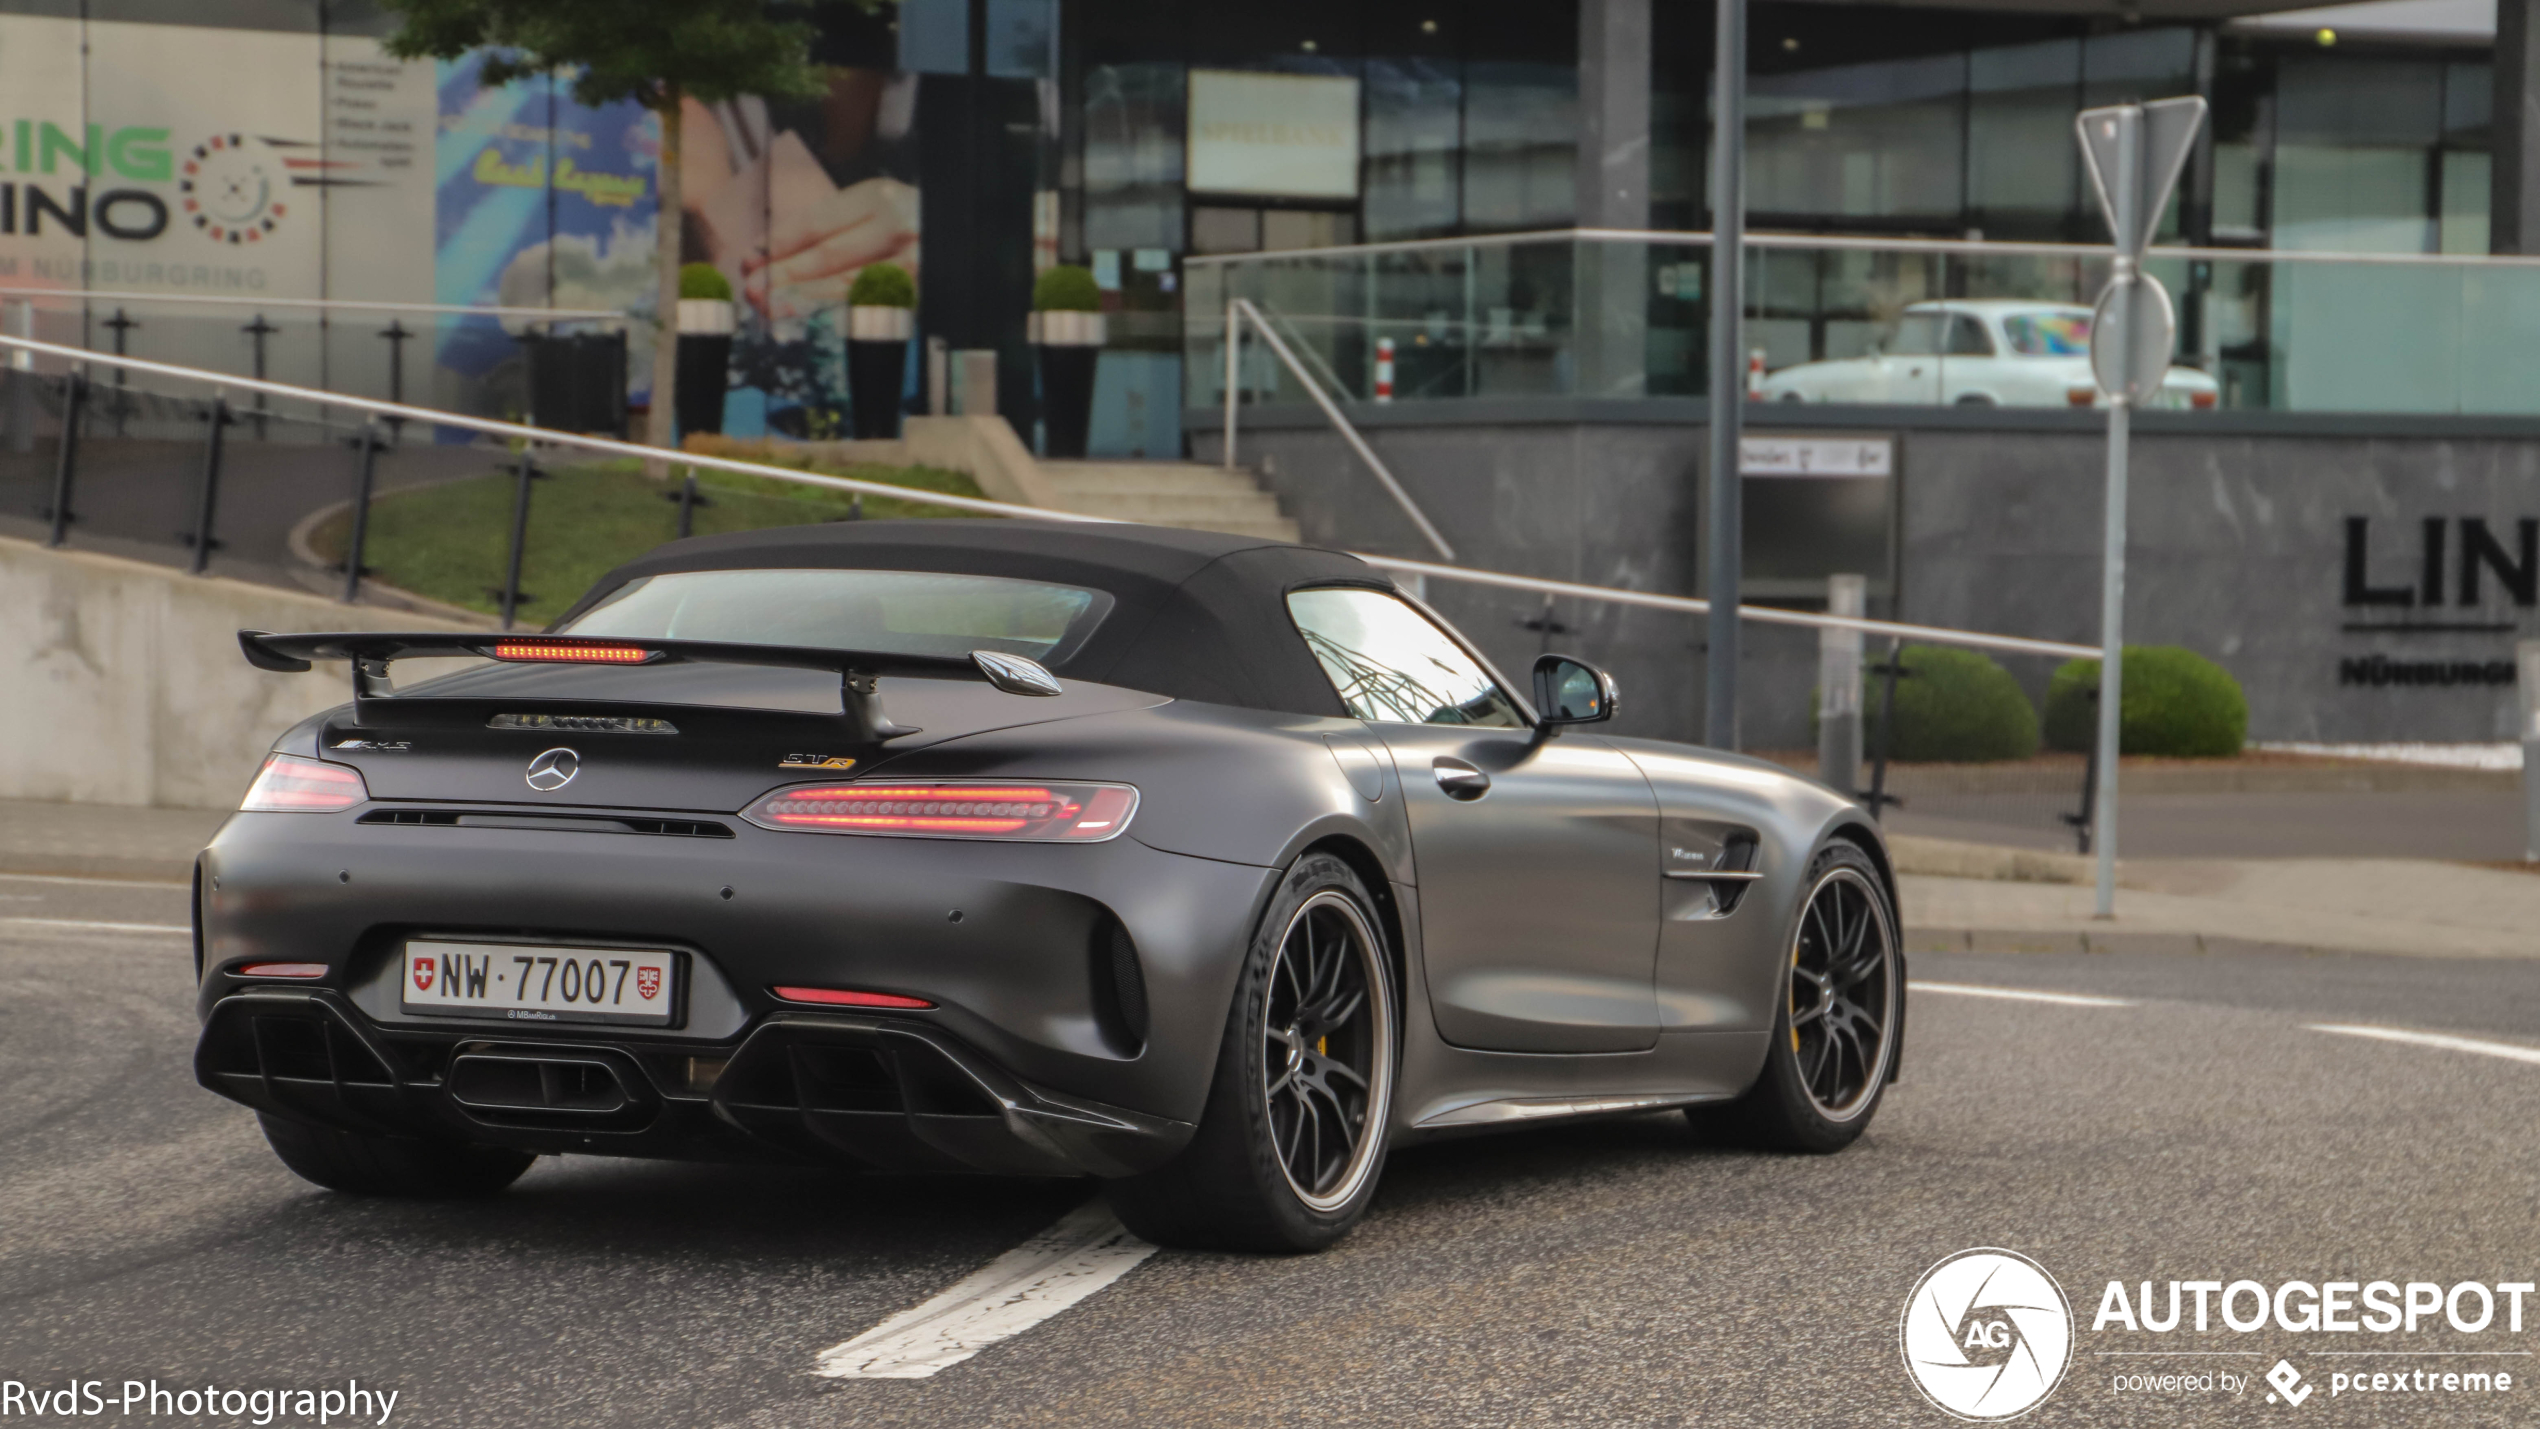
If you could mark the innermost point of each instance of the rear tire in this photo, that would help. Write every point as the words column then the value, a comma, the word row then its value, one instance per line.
column 391, row 1166
column 1292, row 1140
column 1835, row 1030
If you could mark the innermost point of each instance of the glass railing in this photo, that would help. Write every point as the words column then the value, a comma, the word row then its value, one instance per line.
column 481, row 362
column 1870, row 321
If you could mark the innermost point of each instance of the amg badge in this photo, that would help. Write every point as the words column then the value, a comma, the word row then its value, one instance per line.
column 815, row 761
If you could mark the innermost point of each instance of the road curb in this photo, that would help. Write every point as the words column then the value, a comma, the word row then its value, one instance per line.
column 2004, row 940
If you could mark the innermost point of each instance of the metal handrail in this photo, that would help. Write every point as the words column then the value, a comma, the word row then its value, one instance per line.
column 1837, row 242
column 1239, row 310
column 464, row 310
column 517, row 431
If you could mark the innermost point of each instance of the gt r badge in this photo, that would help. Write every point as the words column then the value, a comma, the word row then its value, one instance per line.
column 815, row 761
column 423, row 975
column 553, row 770
column 648, row 982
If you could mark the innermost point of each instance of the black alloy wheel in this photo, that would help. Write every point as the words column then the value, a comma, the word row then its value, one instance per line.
column 1291, row 1142
column 1327, row 1051
column 1842, row 992
column 1834, row 1039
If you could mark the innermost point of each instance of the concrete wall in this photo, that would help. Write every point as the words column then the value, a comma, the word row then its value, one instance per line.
column 124, row 684
column 2239, row 550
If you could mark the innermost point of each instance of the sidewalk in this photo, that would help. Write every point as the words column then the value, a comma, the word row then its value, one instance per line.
column 2413, row 907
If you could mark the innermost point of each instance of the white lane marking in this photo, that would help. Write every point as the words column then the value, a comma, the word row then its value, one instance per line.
column 93, row 926
column 1086, row 1250
column 114, row 882
column 2017, row 994
column 2510, row 1051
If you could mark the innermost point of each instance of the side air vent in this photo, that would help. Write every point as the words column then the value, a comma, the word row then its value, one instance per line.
column 1119, row 987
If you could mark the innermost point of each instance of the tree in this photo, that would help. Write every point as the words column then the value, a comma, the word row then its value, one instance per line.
column 655, row 52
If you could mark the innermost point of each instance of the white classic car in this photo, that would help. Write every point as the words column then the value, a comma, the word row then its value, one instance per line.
column 1977, row 353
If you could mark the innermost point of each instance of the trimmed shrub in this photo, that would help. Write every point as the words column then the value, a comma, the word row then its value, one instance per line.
column 2177, row 703
column 704, row 280
column 882, row 285
column 1066, row 289
column 1955, row 707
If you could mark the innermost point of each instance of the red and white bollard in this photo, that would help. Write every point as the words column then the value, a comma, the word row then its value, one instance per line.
column 1755, row 375
column 1384, row 369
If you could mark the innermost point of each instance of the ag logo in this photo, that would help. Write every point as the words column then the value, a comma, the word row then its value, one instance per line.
column 647, row 983
column 1987, row 1334
column 553, row 770
column 232, row 188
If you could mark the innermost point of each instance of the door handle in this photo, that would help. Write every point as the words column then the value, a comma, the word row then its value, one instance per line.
column 1459, row 779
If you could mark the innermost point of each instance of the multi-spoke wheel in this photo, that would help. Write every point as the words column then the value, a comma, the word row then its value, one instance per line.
column 1842, row 991
column 1327, row 1049
column 1293, row 1136
column 1835, row 1033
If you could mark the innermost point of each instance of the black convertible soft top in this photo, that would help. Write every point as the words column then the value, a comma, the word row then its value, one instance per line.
column 1197, row 615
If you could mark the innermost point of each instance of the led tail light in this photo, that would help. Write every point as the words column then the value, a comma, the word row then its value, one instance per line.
column 570, row 652
column 2201, row 400
column 847, row 997
column 952, row 809
column 280, row 970
column 289, row 784
column 2081, row 396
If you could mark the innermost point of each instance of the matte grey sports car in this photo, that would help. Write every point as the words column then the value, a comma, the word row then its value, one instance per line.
column 1209, row 867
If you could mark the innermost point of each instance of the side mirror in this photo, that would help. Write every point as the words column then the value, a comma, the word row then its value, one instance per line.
column 1571, row 691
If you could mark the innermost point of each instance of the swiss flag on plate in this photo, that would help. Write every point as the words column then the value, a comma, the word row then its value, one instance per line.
column 423, row 974
column 648, row 982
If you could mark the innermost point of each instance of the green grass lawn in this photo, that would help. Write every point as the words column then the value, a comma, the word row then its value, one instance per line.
column 450, row 542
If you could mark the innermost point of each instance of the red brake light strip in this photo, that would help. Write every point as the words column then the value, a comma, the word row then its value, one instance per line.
column 559, row 652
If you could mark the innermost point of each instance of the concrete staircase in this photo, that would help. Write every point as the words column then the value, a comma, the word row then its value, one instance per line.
column 1168, row 493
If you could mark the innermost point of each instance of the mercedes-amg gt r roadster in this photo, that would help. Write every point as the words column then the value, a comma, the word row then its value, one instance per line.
column 1209, row 867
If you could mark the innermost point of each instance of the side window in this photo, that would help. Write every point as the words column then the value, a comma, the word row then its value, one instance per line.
column 1917, row 335
column 1391, row 666
column 1967, row 339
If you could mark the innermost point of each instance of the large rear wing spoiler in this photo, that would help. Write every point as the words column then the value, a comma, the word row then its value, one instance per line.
column 371, row 652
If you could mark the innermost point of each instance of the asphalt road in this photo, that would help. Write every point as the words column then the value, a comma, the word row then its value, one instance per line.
column 1614, row 1273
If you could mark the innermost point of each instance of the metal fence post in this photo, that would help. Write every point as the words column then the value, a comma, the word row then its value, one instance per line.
column 366, row 447
column 396, row 333
column 66, row 458
column 207, row 492
column 120, row 324
column 1234, row 369
column 257, row 332
column 1839, row 686
column 511, row 592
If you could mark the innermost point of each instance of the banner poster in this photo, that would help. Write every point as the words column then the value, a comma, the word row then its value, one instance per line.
column 538, row 201
column 790, row 200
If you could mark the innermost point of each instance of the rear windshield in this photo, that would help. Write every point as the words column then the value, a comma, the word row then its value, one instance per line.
column 889, row 612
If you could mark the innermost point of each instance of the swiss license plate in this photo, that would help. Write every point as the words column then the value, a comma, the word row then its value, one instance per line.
column 540, row 982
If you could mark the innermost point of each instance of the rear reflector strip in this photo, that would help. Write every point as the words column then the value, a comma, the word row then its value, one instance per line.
column 280, row 970
column 571, row 653
column 842, row 997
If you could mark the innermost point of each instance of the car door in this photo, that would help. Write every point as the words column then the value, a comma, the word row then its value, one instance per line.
column 1534, row 852
column 1910, row 372
column 1969, row 370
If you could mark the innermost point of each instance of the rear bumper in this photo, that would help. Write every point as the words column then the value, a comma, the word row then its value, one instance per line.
column 1012, row 942
column 878, row 1092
